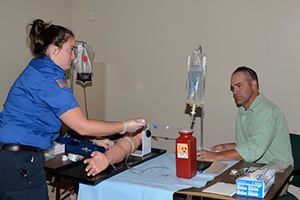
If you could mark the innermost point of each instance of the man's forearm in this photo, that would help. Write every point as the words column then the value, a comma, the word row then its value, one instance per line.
column 229, row 155
column 229, row 146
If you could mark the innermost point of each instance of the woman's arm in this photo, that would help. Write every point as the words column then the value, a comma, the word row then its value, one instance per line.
column 116, row 154
column 76, row 120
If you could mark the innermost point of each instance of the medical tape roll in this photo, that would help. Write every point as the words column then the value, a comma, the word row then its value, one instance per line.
column 64, row 158
column 72, row 157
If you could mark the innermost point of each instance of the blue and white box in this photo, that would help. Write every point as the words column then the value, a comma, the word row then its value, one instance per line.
column 255, row 184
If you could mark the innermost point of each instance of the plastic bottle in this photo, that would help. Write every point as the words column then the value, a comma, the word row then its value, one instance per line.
column 186, row 160
column 195, row 78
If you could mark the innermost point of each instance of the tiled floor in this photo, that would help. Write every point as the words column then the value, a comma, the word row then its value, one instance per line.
column 52, row 194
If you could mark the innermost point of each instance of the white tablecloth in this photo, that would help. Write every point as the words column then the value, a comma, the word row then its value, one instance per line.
column 153, row 184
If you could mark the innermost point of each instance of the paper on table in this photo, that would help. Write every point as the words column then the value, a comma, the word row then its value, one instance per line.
column 226, row 189
column 216, row 167
column 207, row 149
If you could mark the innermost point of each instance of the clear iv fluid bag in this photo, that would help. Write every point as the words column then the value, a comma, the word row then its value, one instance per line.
column 196, row 73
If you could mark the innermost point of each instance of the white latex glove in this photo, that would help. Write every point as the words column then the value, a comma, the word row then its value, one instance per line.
column 132, row 125
column 106, row 143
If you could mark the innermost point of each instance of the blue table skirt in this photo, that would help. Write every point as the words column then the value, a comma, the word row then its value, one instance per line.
column 152, row 180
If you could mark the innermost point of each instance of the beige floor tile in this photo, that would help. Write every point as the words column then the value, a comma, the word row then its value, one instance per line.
column 52, row 193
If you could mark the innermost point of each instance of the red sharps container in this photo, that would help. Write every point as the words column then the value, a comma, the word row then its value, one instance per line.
column 186, row 160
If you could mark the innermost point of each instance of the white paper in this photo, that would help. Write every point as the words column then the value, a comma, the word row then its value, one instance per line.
column 226, row 189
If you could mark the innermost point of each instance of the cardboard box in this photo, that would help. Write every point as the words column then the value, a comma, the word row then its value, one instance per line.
column 56, row 149
column 59, row 148
column 255, row 185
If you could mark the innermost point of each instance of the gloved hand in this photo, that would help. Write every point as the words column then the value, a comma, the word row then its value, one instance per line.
column 132, row 125
column 106, row 143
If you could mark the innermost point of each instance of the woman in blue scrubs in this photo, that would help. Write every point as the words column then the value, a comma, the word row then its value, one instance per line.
column 37, row 105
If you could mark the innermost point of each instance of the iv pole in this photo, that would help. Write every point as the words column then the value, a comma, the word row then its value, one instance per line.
column 83, row 83
column 72, row 68
column 201, row 134
column 202, row 165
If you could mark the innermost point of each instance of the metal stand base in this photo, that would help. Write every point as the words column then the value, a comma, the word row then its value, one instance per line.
column 203, row 165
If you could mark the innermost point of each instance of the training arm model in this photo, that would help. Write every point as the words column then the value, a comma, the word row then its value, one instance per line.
column 76, row 120
column 116, row 154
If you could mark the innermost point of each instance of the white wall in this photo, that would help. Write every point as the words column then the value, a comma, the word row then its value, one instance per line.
column 94, row 92
column 145, row 45
column 14, row 17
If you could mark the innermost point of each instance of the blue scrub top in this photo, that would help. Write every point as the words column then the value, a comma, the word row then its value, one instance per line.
column 36, row 99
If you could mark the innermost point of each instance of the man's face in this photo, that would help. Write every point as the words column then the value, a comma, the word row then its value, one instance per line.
column 242, row 89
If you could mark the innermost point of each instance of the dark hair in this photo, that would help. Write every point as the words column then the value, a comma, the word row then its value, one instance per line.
column 249, row 73
column 43, row 34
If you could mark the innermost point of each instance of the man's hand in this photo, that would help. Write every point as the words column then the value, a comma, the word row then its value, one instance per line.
column 207, row 156
column 96, row 164
column 223, row 147
column 219, row 147
column 222, row 155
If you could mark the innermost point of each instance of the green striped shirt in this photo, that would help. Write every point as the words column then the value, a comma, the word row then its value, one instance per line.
column 262, row 133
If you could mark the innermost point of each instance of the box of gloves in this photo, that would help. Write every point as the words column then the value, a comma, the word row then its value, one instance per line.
column 255, row 183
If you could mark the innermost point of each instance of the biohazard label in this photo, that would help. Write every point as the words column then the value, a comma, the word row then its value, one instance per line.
column 182, row 150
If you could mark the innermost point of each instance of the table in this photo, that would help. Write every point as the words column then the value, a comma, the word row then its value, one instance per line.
column 75, row 171
column 169, row 178
column 57, row 163
column 196, row 193
column 151, row 180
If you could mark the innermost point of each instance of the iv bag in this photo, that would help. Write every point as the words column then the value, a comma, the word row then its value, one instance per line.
column 195, row 79
column 85, row 59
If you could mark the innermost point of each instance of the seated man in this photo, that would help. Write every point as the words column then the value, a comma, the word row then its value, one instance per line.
column 262, row 133
column 115, row 154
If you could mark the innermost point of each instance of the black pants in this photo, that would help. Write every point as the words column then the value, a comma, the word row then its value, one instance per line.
column 22, row 176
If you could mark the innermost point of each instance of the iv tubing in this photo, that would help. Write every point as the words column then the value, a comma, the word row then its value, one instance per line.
column 86, row 110
column 111, row 164
column 139, row 171
column 193, row 112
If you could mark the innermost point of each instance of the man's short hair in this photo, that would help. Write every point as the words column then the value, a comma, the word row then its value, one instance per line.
column 249, row 73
